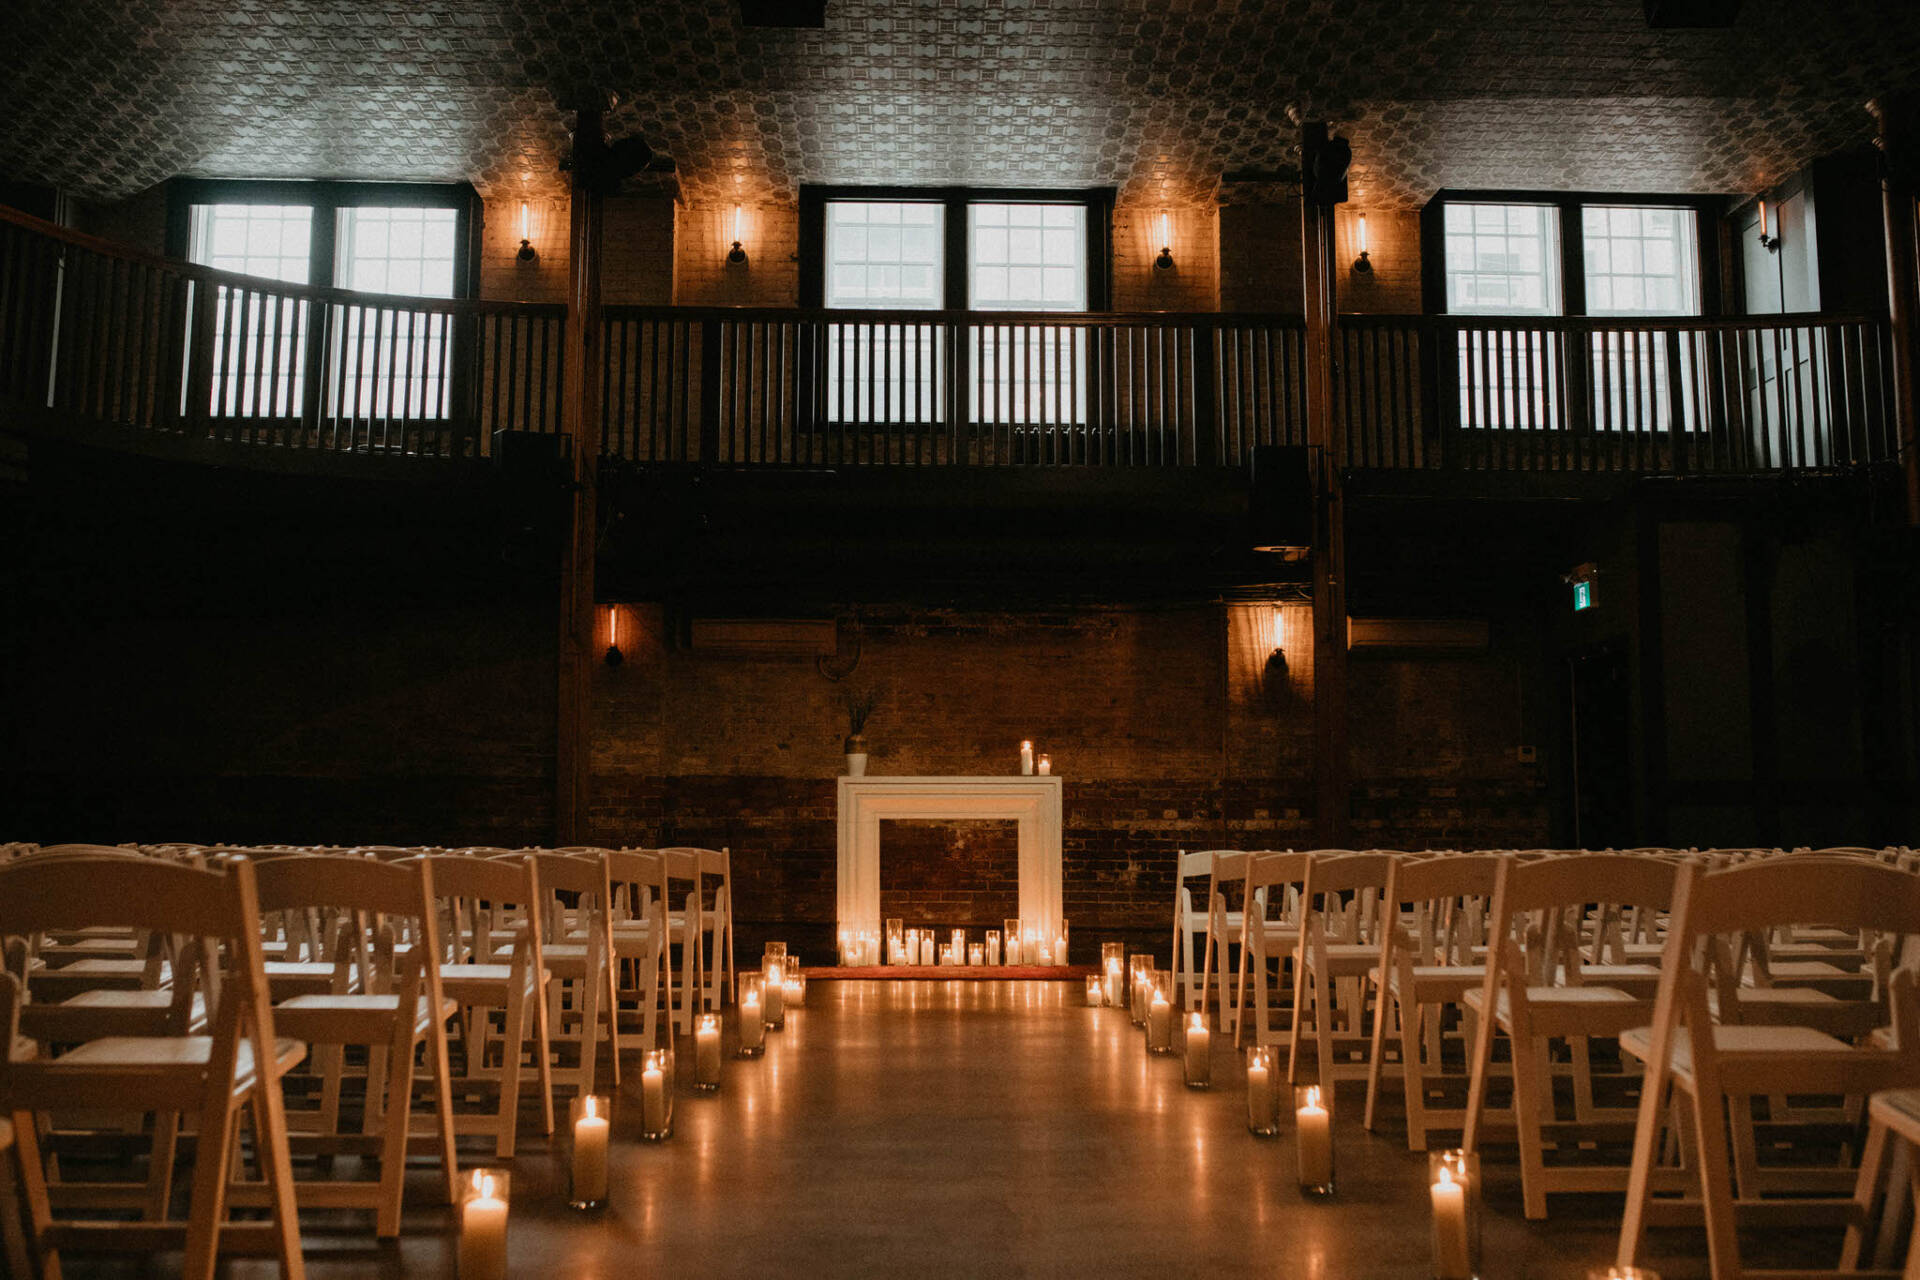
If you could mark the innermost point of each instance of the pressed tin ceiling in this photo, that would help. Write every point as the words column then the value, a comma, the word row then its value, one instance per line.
column 1157, row 97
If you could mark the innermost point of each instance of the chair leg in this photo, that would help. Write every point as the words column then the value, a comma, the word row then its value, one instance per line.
column 443, row 1110
column 393, row 1138
column 1866, row 1190
column 1527, row 1105
column 33, row 1190
column 276, row 1163
column 507, row 1109
column 1413, row 1075
column 543, row 1036
column 1716, row 1185
column 1323, row 1013
column 207, row 1205
column 1376, row 1051
column 166, row 1145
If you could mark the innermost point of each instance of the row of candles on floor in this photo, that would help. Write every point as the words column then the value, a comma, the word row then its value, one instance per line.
column 924, row 946
column 1131, row 982
column 765, row 996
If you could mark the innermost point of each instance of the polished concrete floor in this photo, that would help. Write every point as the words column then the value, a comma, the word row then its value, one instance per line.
column 931, row 1130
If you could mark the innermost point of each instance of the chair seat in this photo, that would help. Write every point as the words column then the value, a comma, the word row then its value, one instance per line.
column 1464, row 977
column 1899, row 1110
column 142, row 1069
column 1346, row 957
column 1749, row 1040
column 1554, row 1011
column 329, row 1017
column 480, row 983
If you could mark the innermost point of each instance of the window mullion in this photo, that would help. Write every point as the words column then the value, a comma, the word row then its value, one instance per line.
column 956, row 289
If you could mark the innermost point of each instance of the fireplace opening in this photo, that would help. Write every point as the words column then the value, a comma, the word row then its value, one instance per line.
column 950, row 875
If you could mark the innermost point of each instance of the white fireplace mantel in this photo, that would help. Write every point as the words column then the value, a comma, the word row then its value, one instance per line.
column 1033, row 802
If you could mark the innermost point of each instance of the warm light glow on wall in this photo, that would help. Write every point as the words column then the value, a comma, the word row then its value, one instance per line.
column 1165, row 259
column 1293, row 632
column 738, row 253
column 1362, row 264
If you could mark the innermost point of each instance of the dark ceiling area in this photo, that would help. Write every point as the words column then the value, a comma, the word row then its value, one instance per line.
column 107, row 97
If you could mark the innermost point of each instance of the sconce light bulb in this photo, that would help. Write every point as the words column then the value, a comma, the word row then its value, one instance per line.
column 1770, row 240
column 526, row 253
column 736, row 255
column 1362, row 265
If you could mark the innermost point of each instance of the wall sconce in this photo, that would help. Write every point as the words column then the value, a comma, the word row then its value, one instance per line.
column 614, row 657
column 1362, row 265
column 736, row 256
column 1770, row 242
column 1165, row 261
column 527, row 252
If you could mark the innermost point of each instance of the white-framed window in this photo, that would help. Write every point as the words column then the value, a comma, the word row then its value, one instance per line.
column 1503, row 259
column 1028, row 257
column 259, row 340
column 885, row 256
column 397, row 367
column 1640, row 260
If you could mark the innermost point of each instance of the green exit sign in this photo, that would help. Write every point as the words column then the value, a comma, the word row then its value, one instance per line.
column 1582, row 596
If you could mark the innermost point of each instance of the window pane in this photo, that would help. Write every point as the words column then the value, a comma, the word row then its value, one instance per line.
column 394, row 359
column 1640, row 259
column 258, row 369
column 1502, row 259
column 884, row 256
column 1031, row 375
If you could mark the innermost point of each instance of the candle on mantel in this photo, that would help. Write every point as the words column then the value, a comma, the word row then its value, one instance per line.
column 946, row 953
column 482, row 1254
column 926, row 947
column 590, row 1132
column 1046, row 957
column 848, row 955
column 1313, row 1138
column 1026, row 759
column 653, row 1095
column 1060, row 949
column 1199, row 1074
column 753, row 1023
column 959, row 946
column 976, row 954
column 1452, row 1257
column 1159, row 1023
column 1046, row 765
column 706, row 1053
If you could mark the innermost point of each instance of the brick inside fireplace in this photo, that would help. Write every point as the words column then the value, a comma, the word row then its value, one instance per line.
column 950, row 874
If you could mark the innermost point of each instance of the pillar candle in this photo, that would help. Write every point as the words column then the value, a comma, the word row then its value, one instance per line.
column 1046, row 765
column 1113, row 984
column 1026, row 758
column 793, row 993
column 1094, row 992
column 1259, row 1095
column 946, row 953
column 772, row 998
column 1060, row 949
column 959, row 946
column 976, row 954
column 653, row 1096
column 1199, row 1051
column 706, row 1057
column 993, row 946
column 1313, row 1135
column 590, row 1153
column 753, row 1024
column 1159, row 1021
column 926, row 947
column 483, row 1234
column 1451, row 1257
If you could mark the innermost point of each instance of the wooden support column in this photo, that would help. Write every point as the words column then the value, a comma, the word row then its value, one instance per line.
column 1899, row 164
column 580, row 420
column 1333, row 798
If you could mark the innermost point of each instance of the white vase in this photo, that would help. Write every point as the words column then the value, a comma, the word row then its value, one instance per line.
column 856, row 764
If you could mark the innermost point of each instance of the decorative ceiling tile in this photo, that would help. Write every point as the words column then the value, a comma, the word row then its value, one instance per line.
column 1156, row 97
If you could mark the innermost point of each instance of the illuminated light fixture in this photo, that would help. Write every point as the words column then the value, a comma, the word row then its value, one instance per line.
column 1771, row 242
column 1362, row 265
column 614, row 656
column 527, row 252
column 1165, row 261
column 736, row 255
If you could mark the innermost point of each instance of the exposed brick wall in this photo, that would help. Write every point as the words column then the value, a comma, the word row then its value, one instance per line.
column 770, row 277
column 1192, row 283
column 1260, row 257
column 502, row 275
column 637, row 259
column 1393, row 247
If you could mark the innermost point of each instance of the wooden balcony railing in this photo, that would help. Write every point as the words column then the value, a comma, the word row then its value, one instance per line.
column 92, row 331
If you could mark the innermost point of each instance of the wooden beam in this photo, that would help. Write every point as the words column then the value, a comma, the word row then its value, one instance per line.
column 1333, row 797
column 580, row 420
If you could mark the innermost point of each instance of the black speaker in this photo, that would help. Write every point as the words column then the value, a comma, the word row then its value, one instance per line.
column 1280, row 498
column 528, row 452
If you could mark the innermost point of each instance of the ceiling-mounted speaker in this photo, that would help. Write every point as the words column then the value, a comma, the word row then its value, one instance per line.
column 1691, row 13
column 1280, row 499
column 784, row 13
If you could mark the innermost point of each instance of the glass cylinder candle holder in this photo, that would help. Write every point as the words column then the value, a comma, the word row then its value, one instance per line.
column 1096, row 991
column 1060, row 937
column 895, row 936
column 775, row 951
column 1453, row 1185
column 1263, row 1116
column 706, row 1053
column 959, row 946
column 1113, row 982
column 773, row 990
column 1113, row 953
column 946, row 953
column 993, row 946
column 753, row 1020
column 1012, row 936
column 589, row 1130
column 482, row 1251
column 926, row 946
column 1313, row 1140
column 1622, row 1273
column 1138, row 987
column 793, row 993
column 656, row 1097
column 1159, row 1024
column 976, row 954
column 1197, row 1050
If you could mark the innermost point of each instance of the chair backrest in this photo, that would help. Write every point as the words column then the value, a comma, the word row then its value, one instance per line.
column 1268, row 870
column 636, row 876
column 1189, row 865
column 1450, row 895
column 1332, row 873
column 475, row 891
column 680, row 878
column 373, row 894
